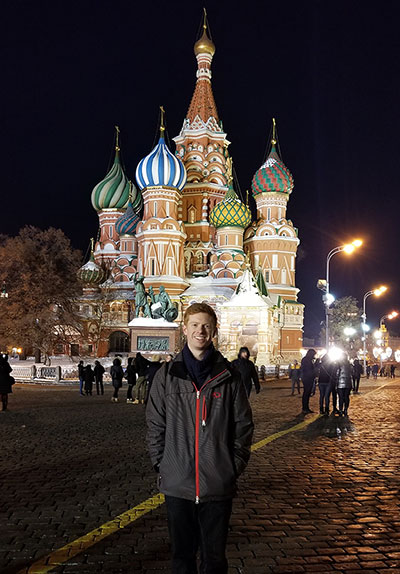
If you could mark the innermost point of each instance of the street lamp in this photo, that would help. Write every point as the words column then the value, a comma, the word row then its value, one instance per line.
column 347, row 248
column 391, row 315
column 377, row 292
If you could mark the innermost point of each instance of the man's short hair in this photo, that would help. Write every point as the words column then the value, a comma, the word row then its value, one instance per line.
column 200, row 308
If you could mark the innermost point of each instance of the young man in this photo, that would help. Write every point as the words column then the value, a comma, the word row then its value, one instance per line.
column 199, row 434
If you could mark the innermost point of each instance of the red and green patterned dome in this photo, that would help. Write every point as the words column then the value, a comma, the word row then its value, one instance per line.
column 230, row 212
column 273, row 176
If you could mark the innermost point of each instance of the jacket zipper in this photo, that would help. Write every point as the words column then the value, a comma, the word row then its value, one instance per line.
column 196, row 454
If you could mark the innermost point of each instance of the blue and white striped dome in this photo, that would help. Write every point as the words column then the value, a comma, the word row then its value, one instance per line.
column 161, row 169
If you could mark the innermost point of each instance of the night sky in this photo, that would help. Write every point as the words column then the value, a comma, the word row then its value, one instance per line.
column 328, row 71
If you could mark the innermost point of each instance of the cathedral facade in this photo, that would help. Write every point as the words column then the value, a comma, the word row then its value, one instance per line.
column 183, row 227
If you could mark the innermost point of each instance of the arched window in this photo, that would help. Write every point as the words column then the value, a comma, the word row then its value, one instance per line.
column 118, row 342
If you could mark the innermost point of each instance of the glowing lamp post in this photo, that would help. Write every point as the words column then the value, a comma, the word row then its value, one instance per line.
column 328, row 297
column 377, row 292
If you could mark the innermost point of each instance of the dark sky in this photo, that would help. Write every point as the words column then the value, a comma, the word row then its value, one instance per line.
column 328, row 71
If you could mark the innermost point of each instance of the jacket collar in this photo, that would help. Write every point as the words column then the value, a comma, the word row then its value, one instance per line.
column 219, row 370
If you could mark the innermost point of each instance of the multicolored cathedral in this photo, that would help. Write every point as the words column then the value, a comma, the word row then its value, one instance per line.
column 184, row 227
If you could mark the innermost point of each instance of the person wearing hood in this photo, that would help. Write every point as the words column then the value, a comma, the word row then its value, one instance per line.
column 6, row 380
column 247, row 370
column 117, row 374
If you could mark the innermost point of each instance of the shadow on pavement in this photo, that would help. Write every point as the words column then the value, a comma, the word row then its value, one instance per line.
column 329, row 426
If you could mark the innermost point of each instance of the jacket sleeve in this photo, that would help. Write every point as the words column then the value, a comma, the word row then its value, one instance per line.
column 156, row 418
column 255, row 378
column 243, row 427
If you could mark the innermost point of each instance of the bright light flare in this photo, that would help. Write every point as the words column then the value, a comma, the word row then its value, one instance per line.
column 357, row 242
column 349, row 248
column 349, row 331
column 335, row 353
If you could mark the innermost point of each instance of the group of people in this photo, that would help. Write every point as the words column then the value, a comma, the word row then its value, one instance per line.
column 139, row 374
column 383, row 371
column 334, row 378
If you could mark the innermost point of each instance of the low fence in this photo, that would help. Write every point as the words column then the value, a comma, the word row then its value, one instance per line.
column 65, row 373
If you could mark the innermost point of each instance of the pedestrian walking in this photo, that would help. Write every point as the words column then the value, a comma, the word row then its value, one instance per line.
column 6, row 380
column 368, row 370
column 382, row 372
column 392, row 371
column 131, row 377
column 117, row 374
column 140, row 389
column 344, row 385
column 199, row 435
column 98, row 377
column 81, row 376
column 357, row 371
column 294, row 376
column 88, row 378
column 326, row 381
column 375, row 370
column 247, row 370
column 308, row 373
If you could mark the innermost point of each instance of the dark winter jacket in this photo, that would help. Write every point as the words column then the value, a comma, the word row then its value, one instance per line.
column 141, row 365
column 116, row 373
column 248, row 372
column 88, row 377
column 130, row 374
column 344, row 376
column 357, row 369
column 98, row 371
column 308, row 370
column 6, row 381
column 327, row 370
column 199, row 438
column 294, row 372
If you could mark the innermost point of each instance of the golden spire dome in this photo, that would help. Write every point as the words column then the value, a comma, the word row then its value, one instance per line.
column 204, row 45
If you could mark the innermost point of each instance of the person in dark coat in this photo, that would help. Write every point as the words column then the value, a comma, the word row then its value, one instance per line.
column 81, row 375
column 308, row 374
column 357, row 371
column 6, row 380
column 98, row 377
column 247, row 370
column 344, row 385
column 392, row 371
column 130, row 375
column 326, row 380
column 368, row 369
column 88, row 376
column 375, row 370
column 117, row 375
column 199, row 435
column 139, row 390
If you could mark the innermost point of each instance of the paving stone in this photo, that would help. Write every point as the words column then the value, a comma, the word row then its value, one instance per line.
column 309, row 502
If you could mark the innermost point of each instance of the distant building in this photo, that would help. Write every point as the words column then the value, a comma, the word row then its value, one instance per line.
column 184, row 227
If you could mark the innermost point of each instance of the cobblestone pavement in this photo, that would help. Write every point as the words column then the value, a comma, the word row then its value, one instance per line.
column 321, row 499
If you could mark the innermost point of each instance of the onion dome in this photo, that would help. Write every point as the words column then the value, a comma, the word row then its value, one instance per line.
column 126, row 224
column 204, row 45
column 161, row 168
column 91, row 273
column 230, row 212
column 112, row 192
column 273, row 175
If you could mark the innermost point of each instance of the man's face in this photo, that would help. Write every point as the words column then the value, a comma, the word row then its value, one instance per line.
column 244, row 355
column 199, row 331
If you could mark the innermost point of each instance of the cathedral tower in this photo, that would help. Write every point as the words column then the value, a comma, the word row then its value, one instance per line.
column 161, row 234
column 202, row 147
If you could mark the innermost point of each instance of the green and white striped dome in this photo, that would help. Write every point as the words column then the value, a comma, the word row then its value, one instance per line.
column 112, row 192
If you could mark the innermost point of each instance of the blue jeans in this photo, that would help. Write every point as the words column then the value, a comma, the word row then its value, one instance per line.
column 192, row 525
column 324, row 396
column 81, row 386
